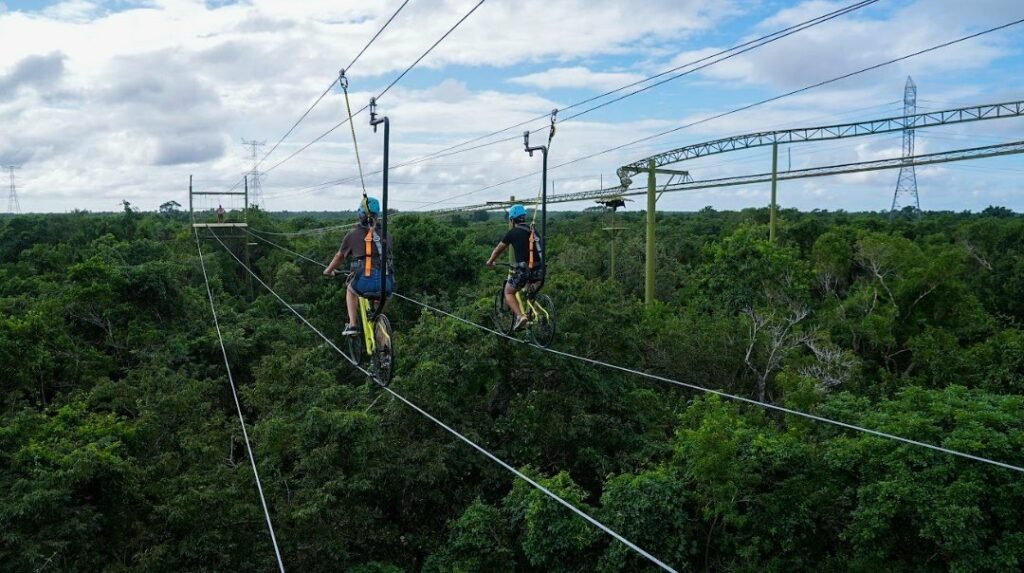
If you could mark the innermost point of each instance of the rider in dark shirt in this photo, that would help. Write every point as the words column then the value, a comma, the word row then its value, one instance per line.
column 363, row 245
column 529, row 252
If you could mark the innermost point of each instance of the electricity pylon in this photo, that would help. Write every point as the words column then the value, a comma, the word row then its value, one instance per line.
column 906, row 184
column 255, row 189
column 12, row 199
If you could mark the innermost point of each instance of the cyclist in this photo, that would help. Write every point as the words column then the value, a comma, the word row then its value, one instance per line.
column 364, row 243
column 529, row 266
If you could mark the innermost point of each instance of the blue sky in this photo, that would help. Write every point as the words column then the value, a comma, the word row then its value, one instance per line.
column 123, row 100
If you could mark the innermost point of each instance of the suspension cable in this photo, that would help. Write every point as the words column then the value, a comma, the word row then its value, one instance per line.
column 326, row 91
column 343, row 81
column 453, row 431
column 742, row 108
column 238, row 406
column 384, row 91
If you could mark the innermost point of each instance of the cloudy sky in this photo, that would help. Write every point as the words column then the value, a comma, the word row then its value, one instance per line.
column 104, row 101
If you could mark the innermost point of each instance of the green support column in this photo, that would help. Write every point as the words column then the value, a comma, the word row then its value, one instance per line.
column 775, row 181
column 611, row 265
column 651, row 199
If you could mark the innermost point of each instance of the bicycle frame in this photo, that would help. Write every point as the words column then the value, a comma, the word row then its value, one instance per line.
column 531, row 307
column 369, row 326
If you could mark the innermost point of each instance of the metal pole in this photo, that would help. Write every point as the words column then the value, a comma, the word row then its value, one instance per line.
column 384, row 209
column 190, row 213
column 544, row 208
column 245, row 212
column 772, row 223
column 649, row 275
column 611, row 267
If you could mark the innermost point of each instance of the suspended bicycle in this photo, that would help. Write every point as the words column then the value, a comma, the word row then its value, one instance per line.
column 375, row 342
column 541, row 316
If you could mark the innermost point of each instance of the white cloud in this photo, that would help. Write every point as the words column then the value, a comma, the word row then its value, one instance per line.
column 109, row 103
column 576, row 77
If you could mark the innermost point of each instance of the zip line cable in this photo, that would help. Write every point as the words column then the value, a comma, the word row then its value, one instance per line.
column 273, row 244
column 745, row 107
column 328, row 90
column 430, row 49
column 317, row 230
column 453, row 431
column 384, row 91
column 722, row 394
column 238, row 406
column 727, row 53
column 703, row 389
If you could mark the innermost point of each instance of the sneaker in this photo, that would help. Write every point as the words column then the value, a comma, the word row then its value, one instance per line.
column 521, row 323
column 350, row 330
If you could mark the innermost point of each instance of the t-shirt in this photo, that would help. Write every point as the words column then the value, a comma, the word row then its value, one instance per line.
column 354, row 243
column 519, row 238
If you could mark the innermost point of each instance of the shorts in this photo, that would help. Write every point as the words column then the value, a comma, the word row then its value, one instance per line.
column 369, row 286
column 521, row 277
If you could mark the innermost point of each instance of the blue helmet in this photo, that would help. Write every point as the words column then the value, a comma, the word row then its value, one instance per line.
column 516, row 212
column 372, row 204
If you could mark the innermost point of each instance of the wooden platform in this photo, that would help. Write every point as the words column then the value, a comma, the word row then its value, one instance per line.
column 218, row 225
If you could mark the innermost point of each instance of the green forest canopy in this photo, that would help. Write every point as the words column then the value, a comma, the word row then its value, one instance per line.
column 121, row 449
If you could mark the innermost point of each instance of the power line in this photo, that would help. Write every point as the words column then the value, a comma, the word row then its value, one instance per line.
column 745, row 107
column 727, row 53
column 238, row 405
column 719, row 393
column 453, row 431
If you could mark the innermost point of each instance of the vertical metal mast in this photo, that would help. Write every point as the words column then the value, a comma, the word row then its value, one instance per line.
column 255, row 194
column 906, row 184
column 12, row 199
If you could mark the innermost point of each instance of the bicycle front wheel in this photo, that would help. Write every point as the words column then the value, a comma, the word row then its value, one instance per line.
column 355, row 347
column 544, row 323
column 383, row 360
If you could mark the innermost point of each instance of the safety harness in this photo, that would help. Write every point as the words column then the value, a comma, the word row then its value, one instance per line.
column 370, row 241
column 535, row 258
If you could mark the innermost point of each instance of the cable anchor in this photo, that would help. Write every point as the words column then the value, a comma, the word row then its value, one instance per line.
column 342, row 80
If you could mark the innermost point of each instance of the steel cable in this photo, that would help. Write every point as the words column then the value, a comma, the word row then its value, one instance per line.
column 238, row 405
column 453, row 431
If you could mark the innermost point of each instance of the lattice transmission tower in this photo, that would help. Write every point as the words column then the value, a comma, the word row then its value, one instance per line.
column 12, row 199
column 906, row 184
column 254, row 176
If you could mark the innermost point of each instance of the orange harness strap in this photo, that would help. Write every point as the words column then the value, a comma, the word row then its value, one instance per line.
column 533, row 240
column 368, row 260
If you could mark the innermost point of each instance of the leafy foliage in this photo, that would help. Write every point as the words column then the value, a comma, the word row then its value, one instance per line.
column 121, row 449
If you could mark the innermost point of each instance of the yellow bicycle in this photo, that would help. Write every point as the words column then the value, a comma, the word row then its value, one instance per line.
column 539, row 309
column 375, row 342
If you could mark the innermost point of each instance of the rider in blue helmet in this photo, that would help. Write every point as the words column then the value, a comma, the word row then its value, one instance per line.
column 529, row 265
column 364, row 243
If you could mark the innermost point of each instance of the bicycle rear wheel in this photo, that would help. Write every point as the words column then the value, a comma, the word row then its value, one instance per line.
column 501, row 314
column 543, row 326
column 383, row 360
